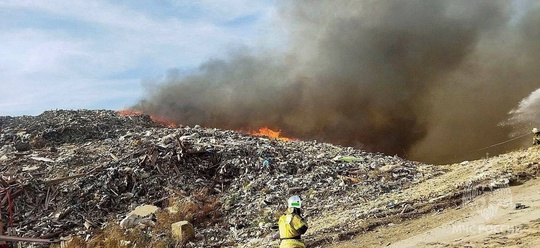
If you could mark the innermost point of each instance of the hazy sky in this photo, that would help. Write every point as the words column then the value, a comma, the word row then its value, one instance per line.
column 96, row 54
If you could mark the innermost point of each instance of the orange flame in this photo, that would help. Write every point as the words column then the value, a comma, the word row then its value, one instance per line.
column 129, row 112
column 265, row 131
column 156, row 119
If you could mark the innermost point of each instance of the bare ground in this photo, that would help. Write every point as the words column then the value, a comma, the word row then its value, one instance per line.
column 489, row 219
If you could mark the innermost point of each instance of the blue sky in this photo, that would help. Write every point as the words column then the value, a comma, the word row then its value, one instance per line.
column 95, row 54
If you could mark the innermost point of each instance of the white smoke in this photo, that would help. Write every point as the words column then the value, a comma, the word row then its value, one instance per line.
column 526, row 115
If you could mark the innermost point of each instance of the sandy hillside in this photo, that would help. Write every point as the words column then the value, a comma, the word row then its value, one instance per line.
column 505, row 215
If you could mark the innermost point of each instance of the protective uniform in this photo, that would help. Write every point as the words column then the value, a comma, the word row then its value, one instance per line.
column 292, row 225
column 536, row 137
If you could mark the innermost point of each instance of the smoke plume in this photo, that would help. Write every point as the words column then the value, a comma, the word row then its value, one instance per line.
column 427, row 80
column 527, row 114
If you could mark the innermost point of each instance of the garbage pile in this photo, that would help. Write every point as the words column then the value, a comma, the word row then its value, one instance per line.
column 70, row 172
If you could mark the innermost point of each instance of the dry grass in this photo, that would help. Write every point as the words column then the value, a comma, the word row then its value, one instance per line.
column 200, row 208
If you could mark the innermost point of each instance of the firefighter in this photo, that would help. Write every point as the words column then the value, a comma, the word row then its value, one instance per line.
column 536, row 137
column 292, row 225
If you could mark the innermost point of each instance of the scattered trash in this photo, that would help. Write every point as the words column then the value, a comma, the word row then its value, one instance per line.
column 348, row 159
column 183, row 231
column 521, row 206
column 144, row 210
column 131, row 221
column 69, row 172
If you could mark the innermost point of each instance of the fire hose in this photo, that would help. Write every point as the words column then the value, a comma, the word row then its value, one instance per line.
column 504, row 142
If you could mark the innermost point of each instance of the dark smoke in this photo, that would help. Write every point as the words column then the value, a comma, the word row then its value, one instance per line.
column 427, row 80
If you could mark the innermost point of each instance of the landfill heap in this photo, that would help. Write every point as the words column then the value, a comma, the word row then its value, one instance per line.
column 72, row 172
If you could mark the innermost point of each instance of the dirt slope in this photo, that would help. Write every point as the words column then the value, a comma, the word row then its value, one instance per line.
column 481, row 217
column 506, row 226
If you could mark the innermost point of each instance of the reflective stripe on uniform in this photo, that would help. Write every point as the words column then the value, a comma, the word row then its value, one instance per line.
column 289, row 224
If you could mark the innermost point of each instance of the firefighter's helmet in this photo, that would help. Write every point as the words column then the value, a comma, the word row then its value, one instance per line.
column 295, row 201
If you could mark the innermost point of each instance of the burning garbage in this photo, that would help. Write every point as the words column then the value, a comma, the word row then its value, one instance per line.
column 81, row 171
column 91, row 167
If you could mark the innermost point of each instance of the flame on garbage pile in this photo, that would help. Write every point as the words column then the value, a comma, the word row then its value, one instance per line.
column 129, row 112
column 426, row 80
column 156, row 119
column 265, row 131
